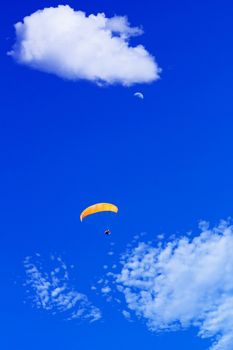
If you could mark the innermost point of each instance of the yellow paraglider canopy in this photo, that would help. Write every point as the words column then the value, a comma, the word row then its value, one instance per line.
column 99, row 207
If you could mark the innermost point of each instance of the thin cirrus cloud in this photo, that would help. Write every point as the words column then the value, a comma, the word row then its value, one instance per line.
column 75, row 46
column 181, row 283
column 48, row 288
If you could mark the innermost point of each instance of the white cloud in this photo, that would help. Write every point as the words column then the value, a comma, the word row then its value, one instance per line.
column 75, row 46
column 185, row 282
column 110, row 253
column 51, row 290
column 126, row 314
column 160, row 237
column 106, row 290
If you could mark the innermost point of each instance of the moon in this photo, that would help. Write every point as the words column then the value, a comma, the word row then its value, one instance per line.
column 139, row 95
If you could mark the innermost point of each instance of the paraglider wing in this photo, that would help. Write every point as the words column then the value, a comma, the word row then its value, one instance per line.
column 99, row 207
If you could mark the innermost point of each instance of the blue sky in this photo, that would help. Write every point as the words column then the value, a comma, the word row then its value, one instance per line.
column 165, row 161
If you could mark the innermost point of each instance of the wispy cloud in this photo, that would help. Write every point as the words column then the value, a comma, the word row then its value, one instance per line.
column 75, row 46
column 49, row 288
column 181, row 283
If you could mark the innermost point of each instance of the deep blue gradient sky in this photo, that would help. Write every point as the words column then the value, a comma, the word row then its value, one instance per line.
column 165, row 161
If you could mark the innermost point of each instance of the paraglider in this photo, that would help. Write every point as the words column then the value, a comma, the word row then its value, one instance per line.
column 98, row 208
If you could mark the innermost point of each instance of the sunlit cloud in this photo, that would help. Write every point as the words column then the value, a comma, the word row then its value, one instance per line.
column 73, row 45
column 181, row 283
column 49, row 288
